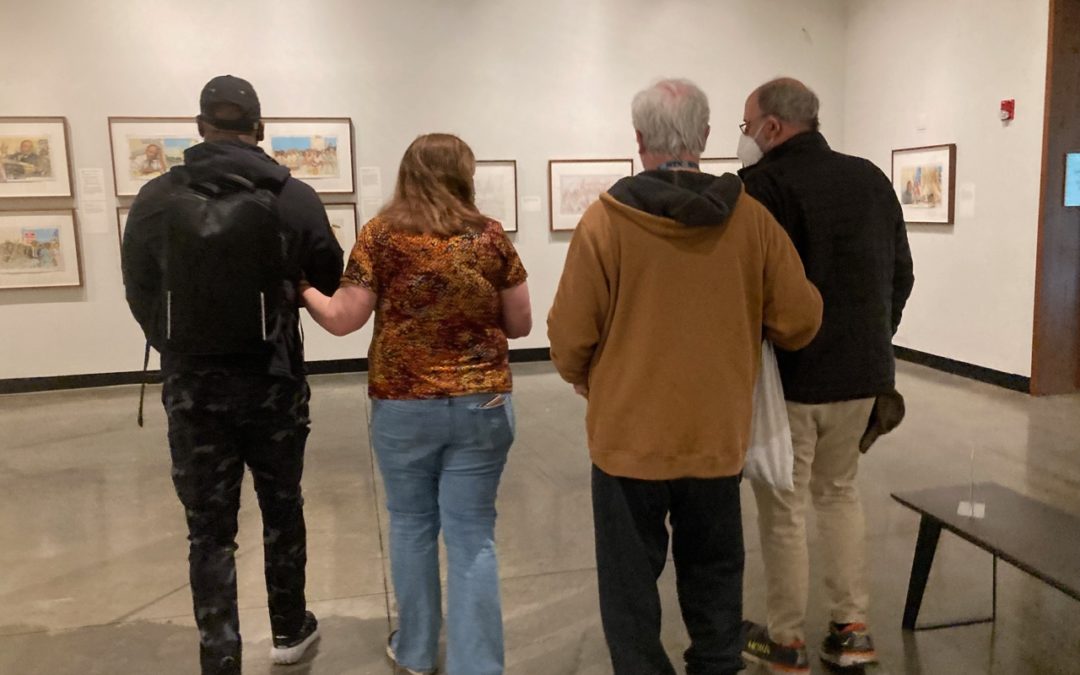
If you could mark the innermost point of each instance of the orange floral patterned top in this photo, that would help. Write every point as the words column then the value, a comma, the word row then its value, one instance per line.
column 438, row 317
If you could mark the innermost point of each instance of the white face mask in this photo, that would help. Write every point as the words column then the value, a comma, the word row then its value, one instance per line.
column 749, row 152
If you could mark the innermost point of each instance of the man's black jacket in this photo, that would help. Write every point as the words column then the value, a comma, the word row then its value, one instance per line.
column 846, row 222
column 312, row 249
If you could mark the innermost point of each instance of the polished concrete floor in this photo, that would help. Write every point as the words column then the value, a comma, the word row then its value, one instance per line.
column 93, row 575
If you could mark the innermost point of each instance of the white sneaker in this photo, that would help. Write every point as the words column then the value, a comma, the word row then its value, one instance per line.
column 289, row 649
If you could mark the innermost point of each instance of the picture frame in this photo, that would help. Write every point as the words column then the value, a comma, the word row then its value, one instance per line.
column 718, row 166
column 344, row 222
column 924, row 179
column 35, row 157
column 574, row 184
column 1072, row 179
column 144, row 148
column 317, row 150
column 39, row 249
column 121, row 223
column 342, row 217
column 496, row 193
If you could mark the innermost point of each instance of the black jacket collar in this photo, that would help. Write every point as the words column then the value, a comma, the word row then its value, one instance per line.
column 808, row 141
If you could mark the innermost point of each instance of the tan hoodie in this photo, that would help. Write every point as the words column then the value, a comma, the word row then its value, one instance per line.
column 671, row 282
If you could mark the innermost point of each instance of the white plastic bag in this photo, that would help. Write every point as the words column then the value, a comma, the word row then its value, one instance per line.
column 770, row 457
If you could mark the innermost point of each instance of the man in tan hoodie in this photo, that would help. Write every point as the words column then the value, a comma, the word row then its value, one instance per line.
column 672, row 280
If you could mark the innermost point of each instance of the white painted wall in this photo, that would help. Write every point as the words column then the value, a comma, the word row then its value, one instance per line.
column 517, row 79
column 953, row 61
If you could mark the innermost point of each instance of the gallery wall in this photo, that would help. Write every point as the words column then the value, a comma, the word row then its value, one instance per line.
column 925, row 72
column 517, row 79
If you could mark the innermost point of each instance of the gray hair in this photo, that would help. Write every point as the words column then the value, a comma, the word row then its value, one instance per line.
column 673, row 117
column 790, row 100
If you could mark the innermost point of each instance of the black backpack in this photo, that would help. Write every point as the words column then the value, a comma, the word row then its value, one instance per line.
column 224, row 267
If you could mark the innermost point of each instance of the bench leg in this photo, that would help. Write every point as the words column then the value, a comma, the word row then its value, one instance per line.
column 925, row 547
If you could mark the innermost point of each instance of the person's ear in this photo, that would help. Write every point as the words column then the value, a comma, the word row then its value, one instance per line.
column 202, row 129
column 640, row 142
column 771, row 130
column 260, row 132
column 707, row 130
column 772, row 126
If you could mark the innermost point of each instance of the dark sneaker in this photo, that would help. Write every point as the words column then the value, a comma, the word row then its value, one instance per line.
column 397, row 666
column 228, row 665
column 290, row 648
column 848, row 645
column 758, row 647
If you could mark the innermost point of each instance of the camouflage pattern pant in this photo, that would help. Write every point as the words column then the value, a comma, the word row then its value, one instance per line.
column 218, row 422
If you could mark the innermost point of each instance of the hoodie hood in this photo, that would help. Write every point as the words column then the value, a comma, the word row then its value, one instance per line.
column 210, row 160
column 684, row 199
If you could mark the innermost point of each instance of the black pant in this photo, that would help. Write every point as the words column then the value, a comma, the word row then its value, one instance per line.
column 218, row 422
column 631, row 549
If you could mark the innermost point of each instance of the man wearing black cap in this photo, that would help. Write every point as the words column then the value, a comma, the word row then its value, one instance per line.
column 213, row 253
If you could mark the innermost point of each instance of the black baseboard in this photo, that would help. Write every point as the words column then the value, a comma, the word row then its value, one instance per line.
column 332, row 366
column 24, row 385
column 527, row 355
column 970, row 371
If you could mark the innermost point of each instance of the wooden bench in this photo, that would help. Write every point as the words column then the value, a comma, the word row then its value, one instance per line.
column 1036, row 538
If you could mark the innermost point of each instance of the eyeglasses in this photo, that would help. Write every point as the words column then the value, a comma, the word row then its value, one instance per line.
column 744, row 127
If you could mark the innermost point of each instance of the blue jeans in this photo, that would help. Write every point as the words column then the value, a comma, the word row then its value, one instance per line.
column 441, row 461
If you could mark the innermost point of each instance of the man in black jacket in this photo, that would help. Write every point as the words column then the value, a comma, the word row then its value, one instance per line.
column 846, row 222
column 226, row 410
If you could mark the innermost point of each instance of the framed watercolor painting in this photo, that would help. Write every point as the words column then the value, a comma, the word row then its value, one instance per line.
column 343, row 222
column 1072, row 179
column 496, row 191
column 718, row 166
column 144, row 148
column 317, row 150
column 925, row 183
column 121, row 223
column 34, row 157
column 39, row 249
column 574, row 184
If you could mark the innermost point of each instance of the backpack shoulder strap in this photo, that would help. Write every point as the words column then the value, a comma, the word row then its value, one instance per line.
column 142, row 389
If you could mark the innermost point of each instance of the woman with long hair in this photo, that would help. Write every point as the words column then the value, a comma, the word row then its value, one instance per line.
column 447, row 289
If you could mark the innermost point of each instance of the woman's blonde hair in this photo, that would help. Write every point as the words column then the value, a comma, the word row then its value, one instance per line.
column 435, row 191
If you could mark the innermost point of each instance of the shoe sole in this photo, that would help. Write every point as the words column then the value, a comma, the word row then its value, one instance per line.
column 774, row 667
column 284, row 656
column 398, row 667
column 850, row 660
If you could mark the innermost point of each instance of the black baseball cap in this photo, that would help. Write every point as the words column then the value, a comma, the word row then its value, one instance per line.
column 235, row 91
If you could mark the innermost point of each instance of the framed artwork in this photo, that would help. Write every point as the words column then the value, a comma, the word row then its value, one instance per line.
column 496, row 191
column 342, row 219
column 121, row 223
column 1072, row 179
column 574, row 184
column 144, row 148
column 343, row 222
column 38, row 249
column 718, row 166
column 925, row 183
column 34, row 157
column 317, row 150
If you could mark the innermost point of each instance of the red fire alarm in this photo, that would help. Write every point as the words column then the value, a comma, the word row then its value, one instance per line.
column 1008, row 110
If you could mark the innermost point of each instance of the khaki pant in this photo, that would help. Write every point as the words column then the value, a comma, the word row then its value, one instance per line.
column 826, row 439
